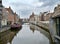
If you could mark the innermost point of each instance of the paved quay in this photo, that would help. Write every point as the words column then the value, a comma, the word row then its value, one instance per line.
column 42, row 24
column 4, row 29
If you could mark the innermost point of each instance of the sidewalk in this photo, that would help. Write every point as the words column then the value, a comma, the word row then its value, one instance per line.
column 4, row 28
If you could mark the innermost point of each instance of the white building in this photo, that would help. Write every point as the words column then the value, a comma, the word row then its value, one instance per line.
column 36, row 18
column 4, row 17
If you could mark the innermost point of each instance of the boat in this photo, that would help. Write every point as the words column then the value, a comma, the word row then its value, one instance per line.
column 16, row 26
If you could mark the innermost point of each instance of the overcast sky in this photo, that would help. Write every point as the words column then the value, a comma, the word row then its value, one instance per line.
column 25, row 7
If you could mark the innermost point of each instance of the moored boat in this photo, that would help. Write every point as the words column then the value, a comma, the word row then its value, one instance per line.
column 16, row 26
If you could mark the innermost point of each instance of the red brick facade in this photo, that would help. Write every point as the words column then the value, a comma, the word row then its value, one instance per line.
column 12, row 17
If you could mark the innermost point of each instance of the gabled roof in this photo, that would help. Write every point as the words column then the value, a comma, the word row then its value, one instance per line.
column 9, row 10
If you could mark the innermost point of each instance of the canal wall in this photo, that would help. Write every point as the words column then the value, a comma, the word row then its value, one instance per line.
column 40, row 29
column 44, row 26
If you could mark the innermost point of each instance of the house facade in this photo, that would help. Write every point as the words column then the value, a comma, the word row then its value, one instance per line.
column 31, row 19
column 0, row 12
column 4, row 17
column 55, row 25
column 10, row 16
column 36, row 18
column 45, row 16
column 16, row 18
column 48, row 16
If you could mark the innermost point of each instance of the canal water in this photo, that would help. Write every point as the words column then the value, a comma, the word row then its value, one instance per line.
column 27, row 36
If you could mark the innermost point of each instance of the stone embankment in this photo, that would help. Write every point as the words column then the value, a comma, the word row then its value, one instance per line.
column 42, row 24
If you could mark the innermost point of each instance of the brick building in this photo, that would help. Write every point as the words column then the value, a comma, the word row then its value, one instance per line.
column 48, row 16
column 16, row 18
column 43, row 16
column 10, row 16
column 32, row 17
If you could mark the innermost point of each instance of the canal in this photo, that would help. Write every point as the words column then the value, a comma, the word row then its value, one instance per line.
column 24, row 36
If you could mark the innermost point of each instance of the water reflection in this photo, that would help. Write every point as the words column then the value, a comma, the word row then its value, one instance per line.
column 7, row 36
column 24, row 36
column 33, row 28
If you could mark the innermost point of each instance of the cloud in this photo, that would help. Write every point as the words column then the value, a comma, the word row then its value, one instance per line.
column 49, row 2
column 22, row 9
column 25, row 7
column 36, row 4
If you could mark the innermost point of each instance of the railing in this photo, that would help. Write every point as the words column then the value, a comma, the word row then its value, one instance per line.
column 57, row 37
column 4, row 28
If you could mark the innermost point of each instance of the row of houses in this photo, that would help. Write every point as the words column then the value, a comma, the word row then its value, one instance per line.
column 54, row 22
column 34, row 17
column 9, row 17
column 45, row 16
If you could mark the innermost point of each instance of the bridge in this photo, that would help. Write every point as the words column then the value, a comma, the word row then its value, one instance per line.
column 25, row 21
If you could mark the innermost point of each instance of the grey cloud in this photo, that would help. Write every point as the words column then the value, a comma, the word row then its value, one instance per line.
column 48, row 5
column 49, row 2
column 22, row 9
column 19, row 4
column 25, row 9
column 25, row 13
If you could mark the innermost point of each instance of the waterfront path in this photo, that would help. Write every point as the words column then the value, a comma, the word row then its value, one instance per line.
column 4, row 29
column 42, row 24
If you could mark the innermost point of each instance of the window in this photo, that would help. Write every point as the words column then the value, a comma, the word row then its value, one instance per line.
column 58, row 26
column 0, row 9
column 0, row 1
column 0, row 13
column 1, row 6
